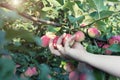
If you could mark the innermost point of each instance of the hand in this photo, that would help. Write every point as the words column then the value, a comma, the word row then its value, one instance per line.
column 77, row 51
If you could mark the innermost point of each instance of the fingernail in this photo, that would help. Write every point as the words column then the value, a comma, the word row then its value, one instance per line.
column 64, row 34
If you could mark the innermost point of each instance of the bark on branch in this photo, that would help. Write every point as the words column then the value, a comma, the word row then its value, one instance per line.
column 34, row 19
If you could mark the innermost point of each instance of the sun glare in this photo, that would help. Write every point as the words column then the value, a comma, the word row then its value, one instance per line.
column 16, row 2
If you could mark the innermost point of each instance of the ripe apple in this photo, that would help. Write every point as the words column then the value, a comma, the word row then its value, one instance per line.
column 108, row 52
column 83, row 76
column 93, row 32
column 30, row 71
column 114, row 40
column 79, row 36
column 74, row 75
column 45, row 41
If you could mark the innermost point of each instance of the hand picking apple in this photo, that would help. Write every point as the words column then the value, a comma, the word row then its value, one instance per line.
column 107, row 63
column 57, row 46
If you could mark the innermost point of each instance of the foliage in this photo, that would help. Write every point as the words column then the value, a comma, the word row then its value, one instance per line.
column 20, row 35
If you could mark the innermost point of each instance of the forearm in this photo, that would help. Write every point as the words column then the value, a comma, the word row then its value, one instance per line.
column 109, row 64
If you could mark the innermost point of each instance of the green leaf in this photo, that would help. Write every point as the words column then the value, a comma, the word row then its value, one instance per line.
column 71, row 19
column 78, row 3
column 2, row 38
column 74, row 20
column 60, row 1
column 99, row 75
column 44, row 71
column 94, row 49
column 53, row 29
column 11, row 33
column 90, row 48
column 80, row 19
column 43, row 14
column 7, row 14
column 1, row 23
column 51, row 12
column 101, row 26
column 6, row 69
column 77, row 11
column 38, row 40
column 4, row 51
column 69, row 5
column 97, row 4
column 74, row 8
column 114, row 48
column 102, row 14
column 88, row 20
column 54, row 2
column 113, row 78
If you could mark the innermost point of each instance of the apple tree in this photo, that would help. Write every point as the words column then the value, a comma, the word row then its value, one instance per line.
column 26, row 26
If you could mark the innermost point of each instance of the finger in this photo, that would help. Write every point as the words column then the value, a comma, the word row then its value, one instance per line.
column 61, row 39
column 59, row 44
column 67, row 44
column 51, row 45
column 53, row 51
column 56, row 52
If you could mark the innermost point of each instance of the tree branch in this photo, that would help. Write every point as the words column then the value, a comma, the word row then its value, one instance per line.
column 97, row 20
column 34, row 19
column 102, row 18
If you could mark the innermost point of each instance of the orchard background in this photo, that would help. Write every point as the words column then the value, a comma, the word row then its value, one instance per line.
column 24, row 22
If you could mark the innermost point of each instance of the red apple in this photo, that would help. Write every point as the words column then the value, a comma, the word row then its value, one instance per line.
column 30, row 71
column 45, row 41
column 55, row 42
column 79, row 36
column 93, row 32
column 108, row 52
column 83, row 76
column 114, row 40
column 74, row 75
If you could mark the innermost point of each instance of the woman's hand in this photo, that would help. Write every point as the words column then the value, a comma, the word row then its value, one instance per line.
column 77, row 51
